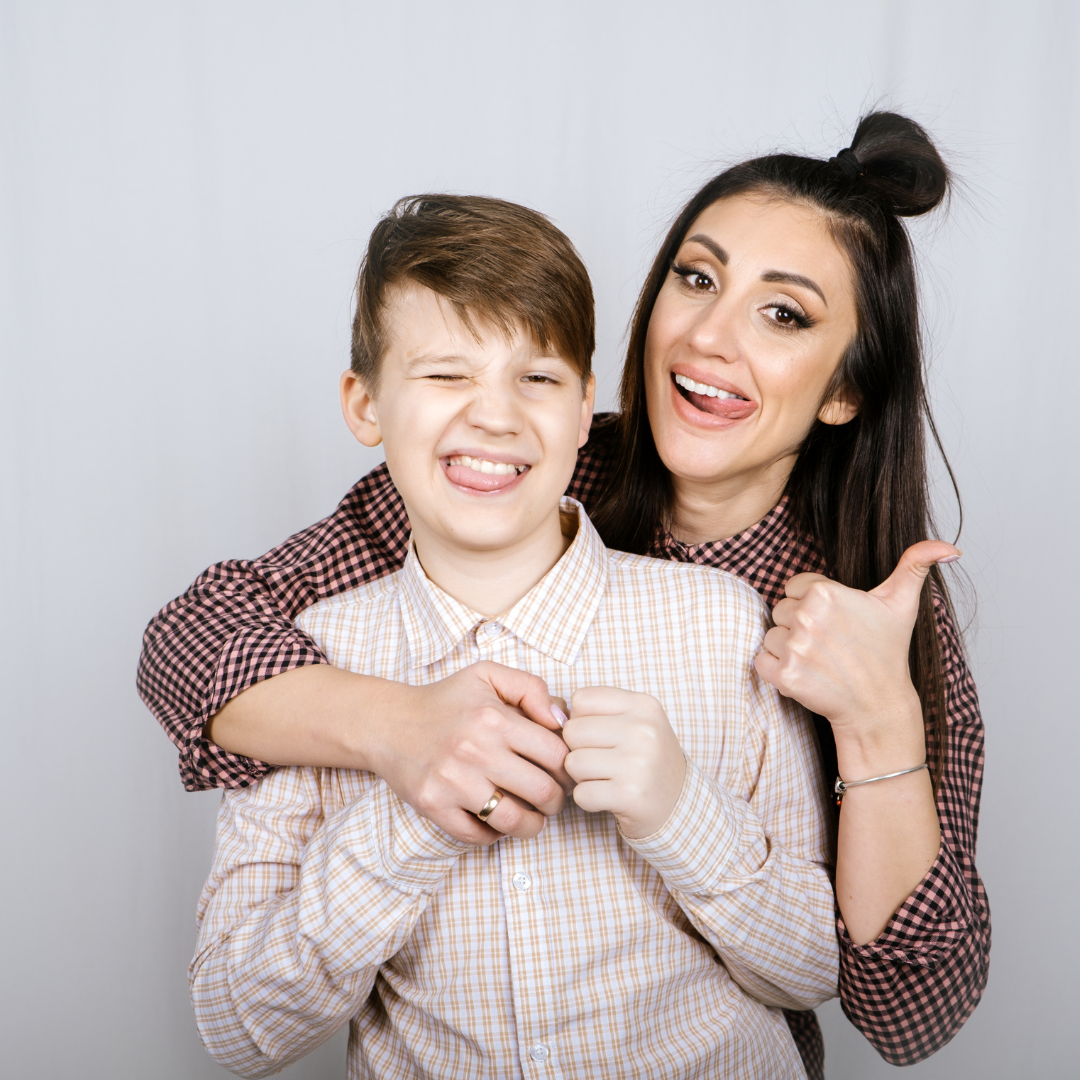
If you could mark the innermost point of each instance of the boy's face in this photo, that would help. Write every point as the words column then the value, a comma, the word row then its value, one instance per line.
column 481, row 438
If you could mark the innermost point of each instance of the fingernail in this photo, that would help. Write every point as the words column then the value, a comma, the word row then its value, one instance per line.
column 559, row 715
column 950, row 558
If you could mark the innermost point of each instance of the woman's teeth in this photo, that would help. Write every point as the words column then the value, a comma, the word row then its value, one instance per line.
column 704, row 388
column 482, row 465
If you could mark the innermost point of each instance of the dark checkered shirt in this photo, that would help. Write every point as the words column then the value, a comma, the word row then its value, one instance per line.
column 909, row 991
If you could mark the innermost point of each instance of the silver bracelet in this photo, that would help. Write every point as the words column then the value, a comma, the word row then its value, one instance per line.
column 842, row 785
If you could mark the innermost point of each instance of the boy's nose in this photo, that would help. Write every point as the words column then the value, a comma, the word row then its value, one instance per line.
column 495, row 410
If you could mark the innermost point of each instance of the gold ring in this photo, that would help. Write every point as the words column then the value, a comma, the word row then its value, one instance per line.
column 489, row 807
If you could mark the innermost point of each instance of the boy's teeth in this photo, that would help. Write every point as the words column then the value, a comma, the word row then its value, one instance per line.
column 704, row 388
column 482, row 465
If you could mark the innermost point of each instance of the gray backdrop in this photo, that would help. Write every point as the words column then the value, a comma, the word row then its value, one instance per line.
column 185, row 191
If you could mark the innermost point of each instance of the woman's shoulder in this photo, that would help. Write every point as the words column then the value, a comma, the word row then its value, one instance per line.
column 962, row 697
column 594, row 460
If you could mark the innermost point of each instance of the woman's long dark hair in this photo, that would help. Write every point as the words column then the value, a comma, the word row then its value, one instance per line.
column 858, row 491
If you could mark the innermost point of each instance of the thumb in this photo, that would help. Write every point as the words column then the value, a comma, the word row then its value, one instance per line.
column 527, row 692
column 902, row 588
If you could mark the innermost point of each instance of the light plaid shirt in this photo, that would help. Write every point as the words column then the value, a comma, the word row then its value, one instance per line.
column 579, row 953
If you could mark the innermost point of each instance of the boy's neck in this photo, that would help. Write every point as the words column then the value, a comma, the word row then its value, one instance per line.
column 492, row 581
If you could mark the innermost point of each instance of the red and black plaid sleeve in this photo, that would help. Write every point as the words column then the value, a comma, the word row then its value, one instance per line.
column 234, row 626
column 911, row 989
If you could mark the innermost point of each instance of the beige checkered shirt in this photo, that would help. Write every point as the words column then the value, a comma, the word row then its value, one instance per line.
column 579, row 953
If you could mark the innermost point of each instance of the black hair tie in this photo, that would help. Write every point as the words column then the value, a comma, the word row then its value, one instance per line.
column 847, row 161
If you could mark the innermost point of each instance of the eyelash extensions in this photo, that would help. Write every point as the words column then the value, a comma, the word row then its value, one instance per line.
column 798, row 318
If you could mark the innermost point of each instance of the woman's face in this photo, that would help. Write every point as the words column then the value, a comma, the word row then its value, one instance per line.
column 746, row 334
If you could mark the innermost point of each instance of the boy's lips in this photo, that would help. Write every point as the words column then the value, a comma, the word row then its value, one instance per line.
column 483, row 473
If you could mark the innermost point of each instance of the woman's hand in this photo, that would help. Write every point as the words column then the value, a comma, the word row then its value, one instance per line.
column 484, row 727
column 624, row 757
column 443, row 748
column 843, row 653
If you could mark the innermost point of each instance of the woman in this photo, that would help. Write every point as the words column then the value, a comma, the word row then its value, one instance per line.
column 771, row 425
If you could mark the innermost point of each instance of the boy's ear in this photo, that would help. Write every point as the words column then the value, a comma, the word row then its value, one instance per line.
column 587, row 402
column 358, row 408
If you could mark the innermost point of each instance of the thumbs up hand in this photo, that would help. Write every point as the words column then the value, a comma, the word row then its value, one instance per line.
column 843, row 653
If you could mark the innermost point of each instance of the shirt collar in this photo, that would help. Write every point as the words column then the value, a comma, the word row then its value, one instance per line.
column 553, row 617
column 774, row 529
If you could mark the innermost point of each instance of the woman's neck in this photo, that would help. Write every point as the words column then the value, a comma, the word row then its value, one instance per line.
column 707, row 510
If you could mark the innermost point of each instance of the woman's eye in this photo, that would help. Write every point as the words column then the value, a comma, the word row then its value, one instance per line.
column 538, row 378
column 787, row 317
column 695, row 280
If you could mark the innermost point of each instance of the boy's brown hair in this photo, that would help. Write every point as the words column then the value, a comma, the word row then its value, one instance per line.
column 490, row 259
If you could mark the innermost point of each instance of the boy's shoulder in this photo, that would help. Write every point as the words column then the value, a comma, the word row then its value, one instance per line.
column 698, row 586
column 380, row 593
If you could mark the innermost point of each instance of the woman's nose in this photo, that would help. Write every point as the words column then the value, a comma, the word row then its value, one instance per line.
column 714, row 334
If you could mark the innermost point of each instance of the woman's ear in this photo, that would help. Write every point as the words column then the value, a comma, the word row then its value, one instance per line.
column 842, row 407
column 587, row 402
column 358, row 408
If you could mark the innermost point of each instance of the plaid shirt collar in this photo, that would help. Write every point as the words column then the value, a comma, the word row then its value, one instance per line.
column 553, row 617
column 773, row 531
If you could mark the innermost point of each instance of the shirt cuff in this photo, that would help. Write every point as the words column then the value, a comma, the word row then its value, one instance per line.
column 712, row 842
column 250, row 656
column 388, row 840
column 257, row 653
column 205, row 766
column 933, row 920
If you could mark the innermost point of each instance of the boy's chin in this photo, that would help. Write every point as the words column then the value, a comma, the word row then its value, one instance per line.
column 491, row 537
column 491, row 529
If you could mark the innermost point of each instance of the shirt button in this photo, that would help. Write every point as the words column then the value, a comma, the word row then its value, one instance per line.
column 492, row 629
column 539, row 1052
column 522, row 881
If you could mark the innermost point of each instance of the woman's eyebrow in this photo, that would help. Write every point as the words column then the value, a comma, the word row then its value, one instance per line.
column 711, row 244
column 782, row 276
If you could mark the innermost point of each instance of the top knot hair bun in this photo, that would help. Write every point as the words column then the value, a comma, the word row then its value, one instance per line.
column 894, row 159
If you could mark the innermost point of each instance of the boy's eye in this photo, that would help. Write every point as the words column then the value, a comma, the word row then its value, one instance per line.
column 446, row 378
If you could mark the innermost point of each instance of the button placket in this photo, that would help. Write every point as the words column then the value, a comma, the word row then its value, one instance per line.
column 529, row 956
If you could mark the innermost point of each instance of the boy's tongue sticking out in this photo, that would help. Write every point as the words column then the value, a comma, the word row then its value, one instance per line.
column 481, row 428
column 482, row 474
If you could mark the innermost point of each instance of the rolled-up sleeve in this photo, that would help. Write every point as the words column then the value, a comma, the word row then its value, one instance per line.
column 911, row 989
column 233, row 627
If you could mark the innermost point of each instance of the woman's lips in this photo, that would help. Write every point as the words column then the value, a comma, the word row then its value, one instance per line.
column 721, row 408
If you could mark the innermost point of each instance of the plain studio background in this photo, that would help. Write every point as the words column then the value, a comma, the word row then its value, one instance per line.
column 185, row 191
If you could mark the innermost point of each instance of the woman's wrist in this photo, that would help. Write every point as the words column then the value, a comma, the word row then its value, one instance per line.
column 317, row 715
column 371, row 739
column 890, row 738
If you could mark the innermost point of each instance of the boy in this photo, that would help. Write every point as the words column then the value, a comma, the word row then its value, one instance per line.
column 696, row 832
